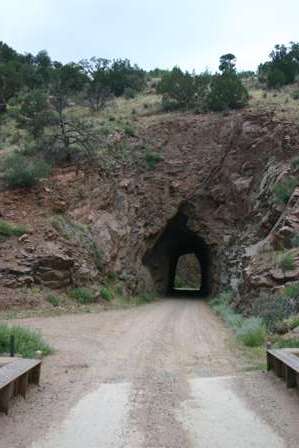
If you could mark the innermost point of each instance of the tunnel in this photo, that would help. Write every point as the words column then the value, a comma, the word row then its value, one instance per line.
column 162, row 260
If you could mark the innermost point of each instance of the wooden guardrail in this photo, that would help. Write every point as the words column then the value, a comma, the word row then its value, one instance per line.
column 15, row 376
column 285, row 363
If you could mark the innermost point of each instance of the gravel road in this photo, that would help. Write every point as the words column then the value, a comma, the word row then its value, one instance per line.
column 163, row 375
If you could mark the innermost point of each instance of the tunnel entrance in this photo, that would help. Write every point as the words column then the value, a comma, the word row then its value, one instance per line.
column 164, row 259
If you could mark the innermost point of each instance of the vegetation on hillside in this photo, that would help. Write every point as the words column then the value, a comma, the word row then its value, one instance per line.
column 53, row 113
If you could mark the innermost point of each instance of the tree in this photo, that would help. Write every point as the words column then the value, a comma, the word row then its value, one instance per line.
column 227, row 92
column 226, row 89
column 98, row 86
column 33, row 113
column 123, row 75
column 10, row 81
column 283, row 66
column 228, row 63
column 178, row 89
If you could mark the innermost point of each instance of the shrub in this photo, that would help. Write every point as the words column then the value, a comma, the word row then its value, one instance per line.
column 7, row 229
column 284, row 190
column 169, row 105
column 286, row 262
column 152, row 158
column 252, row 332
column 54, row 300
column 106, row 293
column 83, row 295
column 27, row 341
column 129, row 93
column 20, row 172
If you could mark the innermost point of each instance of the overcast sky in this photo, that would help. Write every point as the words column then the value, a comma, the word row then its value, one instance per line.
column 151, row 33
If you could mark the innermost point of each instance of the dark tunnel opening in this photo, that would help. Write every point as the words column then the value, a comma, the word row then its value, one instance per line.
column 162, row 260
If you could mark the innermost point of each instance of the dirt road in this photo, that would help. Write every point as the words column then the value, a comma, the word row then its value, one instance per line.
column 164, row 375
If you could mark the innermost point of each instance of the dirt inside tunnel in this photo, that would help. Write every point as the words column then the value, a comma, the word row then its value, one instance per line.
column 176, row 241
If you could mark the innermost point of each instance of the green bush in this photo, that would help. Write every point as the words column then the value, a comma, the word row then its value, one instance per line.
column 284, row 190
column 252, row 332
column 286, row 262
column 54, row 300
column 106, row 293
column 20, row 172
column 27, row 341
column 152, row 158
column 7, row 229
column 83, row 295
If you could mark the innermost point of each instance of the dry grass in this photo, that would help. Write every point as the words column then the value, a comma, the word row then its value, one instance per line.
column 281, row 101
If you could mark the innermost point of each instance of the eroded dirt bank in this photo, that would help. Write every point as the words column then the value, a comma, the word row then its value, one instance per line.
column 162, row 375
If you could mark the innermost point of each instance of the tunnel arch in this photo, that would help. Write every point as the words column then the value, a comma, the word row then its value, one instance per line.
column 176, row 240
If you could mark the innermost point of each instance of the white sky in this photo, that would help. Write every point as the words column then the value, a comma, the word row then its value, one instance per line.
column 151, row 33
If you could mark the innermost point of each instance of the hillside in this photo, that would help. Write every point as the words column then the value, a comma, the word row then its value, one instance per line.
column 86, row 226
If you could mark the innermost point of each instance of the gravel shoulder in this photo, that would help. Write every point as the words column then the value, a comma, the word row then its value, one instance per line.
column 154, row 355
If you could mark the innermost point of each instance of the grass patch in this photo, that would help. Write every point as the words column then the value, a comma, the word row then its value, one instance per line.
column 152, row 159
column 286, row 343
column 221, row 304
column 292, row 291
column 252, row 332
column 146, row 297
column 106, row 293
column 27, row 341
column 129, row 130
column 53, row 300
column 8, row 229
column 286, row 262
column 83, row 295
column 284, row 190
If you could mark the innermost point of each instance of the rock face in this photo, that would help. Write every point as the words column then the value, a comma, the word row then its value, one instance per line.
column 217, row 176
column 211, row 194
